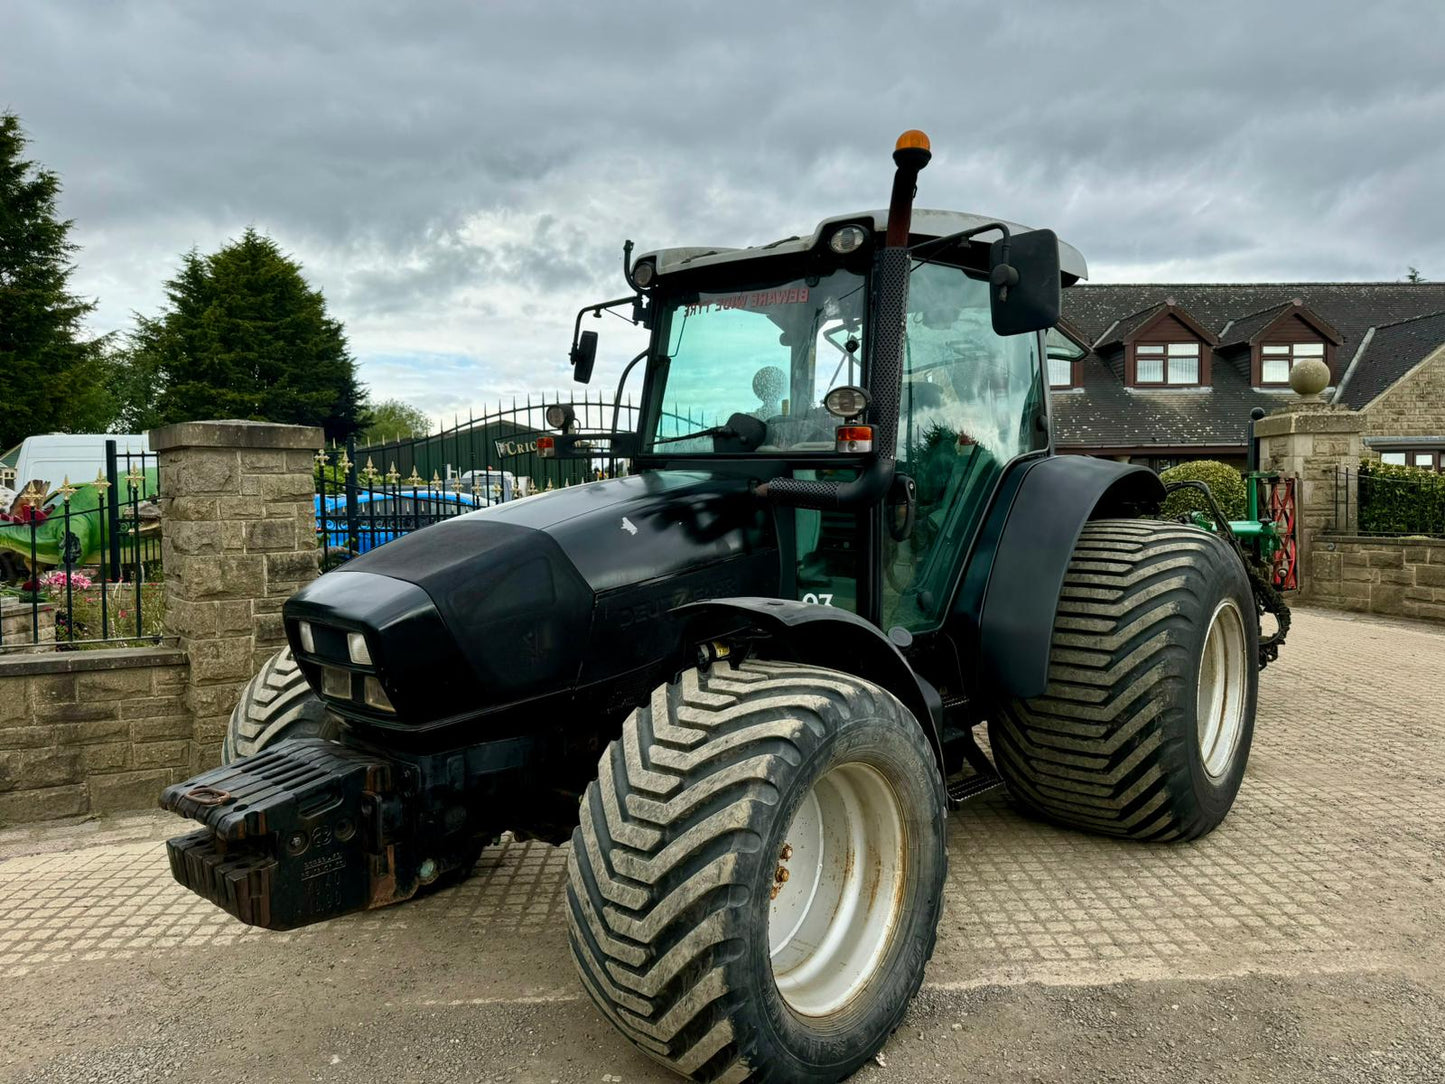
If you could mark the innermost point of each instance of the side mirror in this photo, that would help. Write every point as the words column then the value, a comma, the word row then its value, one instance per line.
column 583, row 355
column 1024, row 291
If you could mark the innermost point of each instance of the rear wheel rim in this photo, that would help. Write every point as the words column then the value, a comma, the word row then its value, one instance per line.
column 837, row 892
column 1222, row 681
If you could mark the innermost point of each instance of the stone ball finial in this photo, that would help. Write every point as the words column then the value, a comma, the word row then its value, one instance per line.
column 1308, row 377
column 769, row 382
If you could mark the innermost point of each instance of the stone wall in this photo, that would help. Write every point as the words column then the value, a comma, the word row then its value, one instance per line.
column 1413, row 407
column 19, row 621
column 239, row 538
column 91, row 731
column 1310, row 442
column 1397, row 576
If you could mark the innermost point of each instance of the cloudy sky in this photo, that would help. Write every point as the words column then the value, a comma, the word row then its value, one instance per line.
column 459, row 178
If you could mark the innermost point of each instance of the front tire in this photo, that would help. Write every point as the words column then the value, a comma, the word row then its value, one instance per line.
column 756, row 882
column 1145, row 728
column 276, row 704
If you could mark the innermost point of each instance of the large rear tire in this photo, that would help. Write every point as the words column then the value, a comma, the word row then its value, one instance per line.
column 755, row 886
column 276, row 704
column 1145, row 727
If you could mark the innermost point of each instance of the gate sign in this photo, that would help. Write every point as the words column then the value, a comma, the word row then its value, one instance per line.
column 506, row 448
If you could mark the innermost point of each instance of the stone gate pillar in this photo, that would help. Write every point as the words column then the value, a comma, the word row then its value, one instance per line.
column 1311, row 441
column 238, row 538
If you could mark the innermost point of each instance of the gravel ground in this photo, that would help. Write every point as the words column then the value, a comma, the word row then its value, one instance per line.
column 1300, row 942
column 1349, row 1027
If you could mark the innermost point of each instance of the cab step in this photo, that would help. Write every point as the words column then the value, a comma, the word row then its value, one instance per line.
column 966, row 785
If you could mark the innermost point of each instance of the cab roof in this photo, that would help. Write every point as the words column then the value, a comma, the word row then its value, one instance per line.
column 925, row 224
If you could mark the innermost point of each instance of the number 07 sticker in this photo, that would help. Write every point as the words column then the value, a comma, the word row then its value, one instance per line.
column 814, row 599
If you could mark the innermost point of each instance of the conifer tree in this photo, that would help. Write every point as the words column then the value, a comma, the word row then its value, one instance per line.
column 243, row 335
column 52, row 377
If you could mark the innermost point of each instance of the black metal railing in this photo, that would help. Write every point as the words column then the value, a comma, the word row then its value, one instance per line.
column 80, row 562
column 1389, row 501
column 359, row 507
column 367, row 495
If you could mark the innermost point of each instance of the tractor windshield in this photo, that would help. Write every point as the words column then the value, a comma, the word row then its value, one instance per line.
column 771, row 351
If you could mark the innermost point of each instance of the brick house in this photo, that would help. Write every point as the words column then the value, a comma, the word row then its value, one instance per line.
column 1161, row 374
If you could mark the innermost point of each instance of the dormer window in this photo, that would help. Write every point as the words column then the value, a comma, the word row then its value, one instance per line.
column 1064, row 354
column 1159, row 347
column 1277, row 359
column 1275, row 339
column 1166, row 364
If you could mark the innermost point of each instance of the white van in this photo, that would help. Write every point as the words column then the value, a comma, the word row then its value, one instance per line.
column 492, row 485
column 80, row 457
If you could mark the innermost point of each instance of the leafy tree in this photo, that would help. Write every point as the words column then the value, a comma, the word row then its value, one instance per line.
column 135, row 383
column 392, row 418
column 51, row 376
column 1413, row 275
column 243, row 336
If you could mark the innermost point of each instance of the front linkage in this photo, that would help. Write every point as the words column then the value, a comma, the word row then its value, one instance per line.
column 1258, row 566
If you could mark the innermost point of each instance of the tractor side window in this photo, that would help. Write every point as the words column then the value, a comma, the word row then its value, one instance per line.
column 967, row 407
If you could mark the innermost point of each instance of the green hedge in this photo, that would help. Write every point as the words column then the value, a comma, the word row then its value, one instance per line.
column 1223, row 481
column 1400, row 500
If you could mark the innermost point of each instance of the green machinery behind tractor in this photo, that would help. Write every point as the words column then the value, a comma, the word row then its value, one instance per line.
column 746, row 681
column 1263, row 545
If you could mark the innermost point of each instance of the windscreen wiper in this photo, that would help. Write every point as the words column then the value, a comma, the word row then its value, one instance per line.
column 744, row 428
column 715, row 431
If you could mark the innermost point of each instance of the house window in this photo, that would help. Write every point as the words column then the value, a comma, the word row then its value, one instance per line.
column 1428, row 460
column 1062, row 352
column 1279, row 358
column 1166, row 363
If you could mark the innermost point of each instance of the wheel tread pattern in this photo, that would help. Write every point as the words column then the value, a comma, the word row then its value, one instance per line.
column 660, row 861
column 1088, row 752
column 276, row 702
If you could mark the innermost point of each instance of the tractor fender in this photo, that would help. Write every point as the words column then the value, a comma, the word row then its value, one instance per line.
column 1010, row 593
column 823, row 636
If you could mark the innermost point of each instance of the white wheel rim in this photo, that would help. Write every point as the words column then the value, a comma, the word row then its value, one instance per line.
column 838, row 889
column 1222, row 681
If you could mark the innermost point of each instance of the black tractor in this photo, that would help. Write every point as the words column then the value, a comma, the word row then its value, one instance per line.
column 746, row 681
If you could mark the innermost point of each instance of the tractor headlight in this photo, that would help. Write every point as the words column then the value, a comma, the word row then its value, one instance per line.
column 357, row 649
column 375, row 696
column 848, row 239
column 644, row 273
column 335, row 683
column 308, row 641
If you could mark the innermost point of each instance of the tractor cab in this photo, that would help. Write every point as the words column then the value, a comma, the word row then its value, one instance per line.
column 765, row 362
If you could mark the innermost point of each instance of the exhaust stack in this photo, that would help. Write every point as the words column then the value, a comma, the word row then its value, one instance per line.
column 910, row 155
